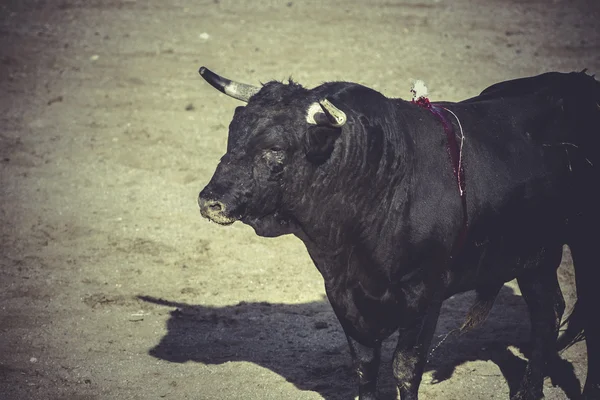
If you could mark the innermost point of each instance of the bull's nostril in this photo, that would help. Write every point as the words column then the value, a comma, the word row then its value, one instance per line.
column 215, row 210
column 215, row 206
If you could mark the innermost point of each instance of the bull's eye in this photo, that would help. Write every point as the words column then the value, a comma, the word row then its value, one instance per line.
column 274, row 154
column 274, row 158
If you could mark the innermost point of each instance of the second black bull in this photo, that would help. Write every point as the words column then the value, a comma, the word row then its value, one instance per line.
column 402, row 204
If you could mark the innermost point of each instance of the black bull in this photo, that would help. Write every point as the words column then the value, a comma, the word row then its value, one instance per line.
column 366, row 182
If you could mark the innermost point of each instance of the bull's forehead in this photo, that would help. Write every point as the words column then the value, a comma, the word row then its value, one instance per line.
column 256, row 128
column 281, row 118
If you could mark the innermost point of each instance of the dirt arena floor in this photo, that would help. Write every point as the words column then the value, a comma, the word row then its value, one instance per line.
column 111, row 284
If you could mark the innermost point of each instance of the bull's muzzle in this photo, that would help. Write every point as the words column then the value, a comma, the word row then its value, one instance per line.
column 215, row 211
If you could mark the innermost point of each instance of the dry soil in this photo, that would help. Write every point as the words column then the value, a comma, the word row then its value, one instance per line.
column 113, row 287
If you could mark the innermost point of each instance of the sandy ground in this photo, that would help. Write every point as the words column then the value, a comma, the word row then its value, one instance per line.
column 113, row 287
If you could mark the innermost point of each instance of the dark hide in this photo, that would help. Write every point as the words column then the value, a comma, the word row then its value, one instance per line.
column 377, row 205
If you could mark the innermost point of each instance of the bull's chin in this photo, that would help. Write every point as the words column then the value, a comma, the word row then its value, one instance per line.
column 220, row 219
column 271, row 225
column 224, row 223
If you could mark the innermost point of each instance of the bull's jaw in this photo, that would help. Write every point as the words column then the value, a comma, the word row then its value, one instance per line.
column 271, row 225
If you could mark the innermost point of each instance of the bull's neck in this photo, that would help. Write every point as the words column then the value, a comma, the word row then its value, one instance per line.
column 349, row 195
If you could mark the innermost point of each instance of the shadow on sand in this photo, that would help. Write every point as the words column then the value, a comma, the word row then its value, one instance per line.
column 305, row 344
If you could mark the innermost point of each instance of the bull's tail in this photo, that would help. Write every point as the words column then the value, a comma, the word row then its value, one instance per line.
column 573, row 327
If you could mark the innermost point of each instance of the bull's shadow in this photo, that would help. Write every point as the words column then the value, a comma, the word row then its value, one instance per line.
column 305, row 344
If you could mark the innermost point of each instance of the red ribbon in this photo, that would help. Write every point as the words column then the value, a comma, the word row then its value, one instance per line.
column 454, row 151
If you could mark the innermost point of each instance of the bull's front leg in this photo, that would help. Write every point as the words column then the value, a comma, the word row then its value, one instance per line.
column 365, row 343
column 365, row 360
column 410, row 356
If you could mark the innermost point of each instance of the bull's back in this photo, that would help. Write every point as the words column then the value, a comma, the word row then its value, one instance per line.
column 529, row 155
column 572, row 103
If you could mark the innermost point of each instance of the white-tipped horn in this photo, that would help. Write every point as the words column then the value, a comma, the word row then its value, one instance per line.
column 237, row 90
column 325, row 113
column 336, row 117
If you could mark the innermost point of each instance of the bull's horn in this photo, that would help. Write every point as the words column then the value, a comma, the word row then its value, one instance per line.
column 237, row 90
column 336, row 117
column 325, row 113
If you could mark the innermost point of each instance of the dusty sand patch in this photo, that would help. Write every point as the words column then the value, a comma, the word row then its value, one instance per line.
column 107, row 135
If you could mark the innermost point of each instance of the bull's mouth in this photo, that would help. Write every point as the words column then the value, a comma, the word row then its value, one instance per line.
column 269, row 224
column 221, row 220
column 218, row 218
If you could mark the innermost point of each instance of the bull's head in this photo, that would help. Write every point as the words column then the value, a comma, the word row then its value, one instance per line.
column 283, row 132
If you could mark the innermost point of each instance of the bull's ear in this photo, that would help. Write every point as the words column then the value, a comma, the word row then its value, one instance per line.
column 319, row 142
